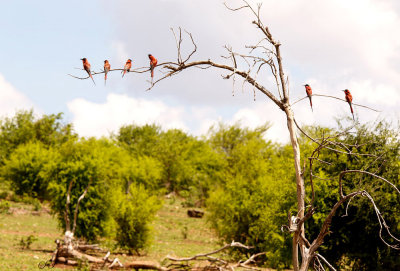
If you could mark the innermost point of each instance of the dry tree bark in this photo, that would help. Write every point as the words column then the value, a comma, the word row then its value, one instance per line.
column 216, row 263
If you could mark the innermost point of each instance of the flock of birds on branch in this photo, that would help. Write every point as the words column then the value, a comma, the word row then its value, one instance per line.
column 127, row 67
column 153, row 64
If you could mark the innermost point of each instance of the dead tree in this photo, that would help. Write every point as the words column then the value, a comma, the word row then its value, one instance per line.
column 266, row 53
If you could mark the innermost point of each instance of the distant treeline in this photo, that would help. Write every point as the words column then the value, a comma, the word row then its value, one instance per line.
column 246, row 183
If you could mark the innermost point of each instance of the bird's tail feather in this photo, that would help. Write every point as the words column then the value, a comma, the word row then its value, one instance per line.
column 351, row 109
column 92, row 79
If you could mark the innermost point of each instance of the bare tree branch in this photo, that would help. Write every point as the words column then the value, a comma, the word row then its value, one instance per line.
column 333, row 143
column 174, row 69
column 333, row 97
column 341, row 175
column 325, row 261
column 382, row 224
column 325, row 227
column 202, row 255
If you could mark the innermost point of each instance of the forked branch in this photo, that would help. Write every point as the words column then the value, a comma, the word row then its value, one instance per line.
column 77, row 205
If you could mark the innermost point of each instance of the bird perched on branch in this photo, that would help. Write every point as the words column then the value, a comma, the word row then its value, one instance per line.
column 86, row 66
column 107, row 68
column 153, row 64
column 309, row 94
column 349, row 99
column 127, row 67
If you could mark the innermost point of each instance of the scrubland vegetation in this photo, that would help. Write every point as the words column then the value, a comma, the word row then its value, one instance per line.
column 142, row 179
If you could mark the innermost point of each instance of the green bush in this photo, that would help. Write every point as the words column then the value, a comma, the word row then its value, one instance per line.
column 181, row 161
column 4, row 207
column 26, row 243
column 26, row 169
column 84, row 161
column 37, row 206
column 4, row 194
column 355, row 236
column 133, row 216
column 252, row 203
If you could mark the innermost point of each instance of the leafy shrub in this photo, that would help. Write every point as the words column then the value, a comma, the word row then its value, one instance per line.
column 252, row 203
column 133, row 216
column 84, row 161
column 355, row 236
column 4, row 207
column 26, row 243
column 4, row 194
column 26, row 169
column 37, row 206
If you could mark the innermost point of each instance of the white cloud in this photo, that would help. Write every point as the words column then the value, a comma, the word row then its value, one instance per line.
column 99, row 119
column 367, row 91
column 11, row 99
column 260, row 114
column 331, row 45
column 337, row 42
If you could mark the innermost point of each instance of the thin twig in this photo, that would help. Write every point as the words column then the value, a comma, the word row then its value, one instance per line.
column 337, row 98
column 325, row 261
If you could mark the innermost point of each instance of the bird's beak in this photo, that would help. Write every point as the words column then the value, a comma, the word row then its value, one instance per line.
column 81, row 58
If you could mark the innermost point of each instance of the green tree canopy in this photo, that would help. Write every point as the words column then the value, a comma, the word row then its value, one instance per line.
column 355, row 236
column 251, row 204
column 27, row 169
column 87, row 161
column 25, row 127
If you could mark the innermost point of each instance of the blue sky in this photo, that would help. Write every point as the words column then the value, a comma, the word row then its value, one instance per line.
column 45, row 40
column 330, row 44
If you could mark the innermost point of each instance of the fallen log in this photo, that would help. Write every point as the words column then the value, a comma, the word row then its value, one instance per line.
column 150, row 265
column 195, row 213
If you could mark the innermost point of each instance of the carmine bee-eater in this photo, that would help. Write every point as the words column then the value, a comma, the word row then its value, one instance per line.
column 107, row 68
column 349, row 99
column 127, row 67
column 86, row 66
column 309, row 93
column 153, row 64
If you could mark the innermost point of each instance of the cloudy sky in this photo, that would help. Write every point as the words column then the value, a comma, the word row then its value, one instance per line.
column 332, row 45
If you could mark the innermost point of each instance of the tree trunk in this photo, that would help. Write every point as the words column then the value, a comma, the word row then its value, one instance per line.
column 299, row 185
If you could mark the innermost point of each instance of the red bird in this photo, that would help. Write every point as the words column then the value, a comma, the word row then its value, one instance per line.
column 127, row 67
column 107, row 68
column 349, row 99
column 86, row 66
column 309, row 94
column 153, row 64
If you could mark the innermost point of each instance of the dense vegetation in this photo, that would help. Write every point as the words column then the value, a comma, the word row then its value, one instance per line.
column 245, row 182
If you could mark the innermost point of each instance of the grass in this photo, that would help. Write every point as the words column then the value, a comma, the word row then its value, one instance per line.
column 21, row 224
column 178, row 235
column 175, row 234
